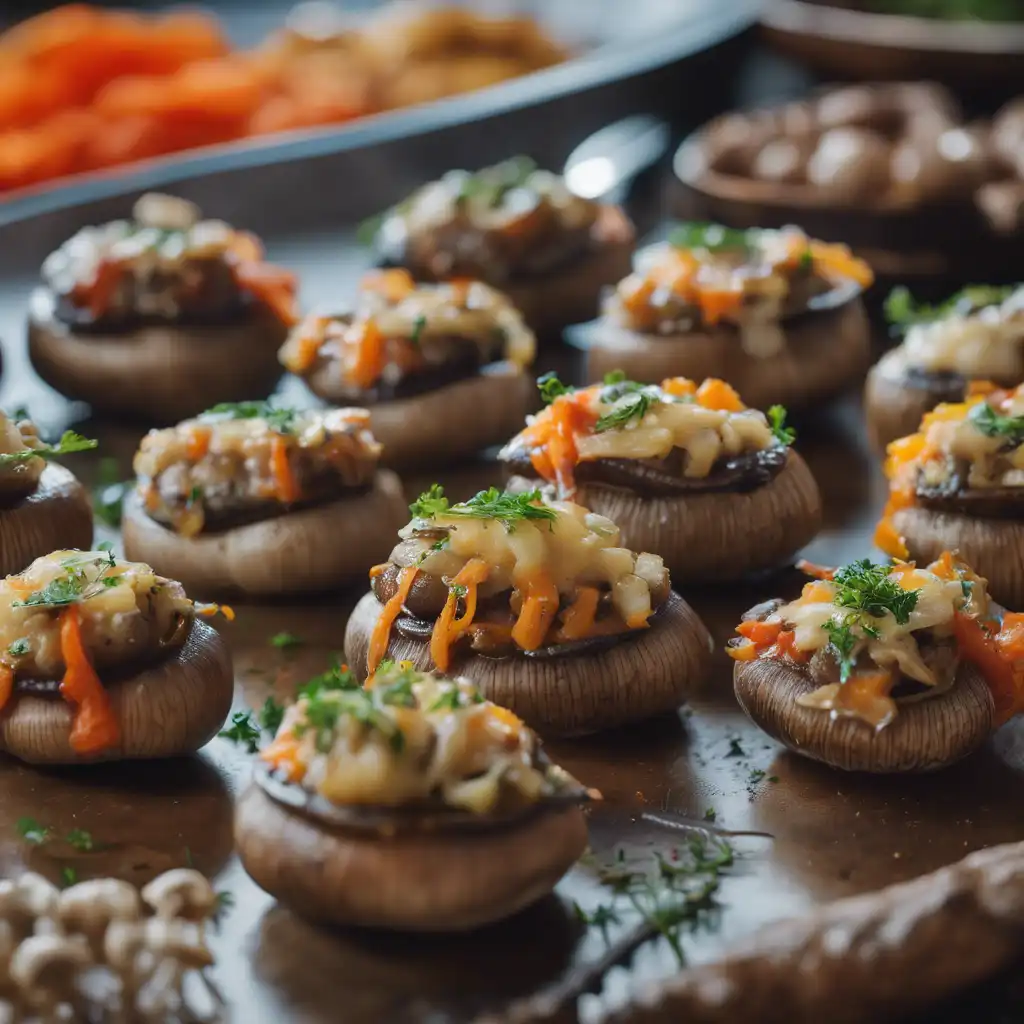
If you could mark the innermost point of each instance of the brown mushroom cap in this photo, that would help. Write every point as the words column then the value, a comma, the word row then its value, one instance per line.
column 425, row 881
column 925, row 735
column 167, row 710
column 159, row 373
column 648, row 673
column 450, row 423
column 826, row 352
column 572, row 294
column 719, row 536
column 310, row 549
column 55, row 516
column 994, row 548
column 894, row 407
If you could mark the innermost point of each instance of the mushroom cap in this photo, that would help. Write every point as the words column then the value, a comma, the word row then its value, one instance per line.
column 826, row 352
column 450, row 423
column 649, row 672
column 894, row 407
column 181, row 892
column 424, row 882
column 159, row 373
column 994, row 548
column 178, row 939
column 55, row 516
column 310, row 549
column 166, row 710
column 32, row 895
column 924, row 736
column 91, row 905
column 49, row 961
column 717, row 536
column 572, row 294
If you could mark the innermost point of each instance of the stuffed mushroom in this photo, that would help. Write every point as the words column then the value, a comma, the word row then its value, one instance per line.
column 882, row 668
column 158, row 317
column 411, row 804
column 539, row 604
column 261, row 500
column 42, row 505
column 519, row 229
column 685, row 471
column 978, row 334
column 439, row 366
column 959, row 483
column 101, row 659
column 776, row 314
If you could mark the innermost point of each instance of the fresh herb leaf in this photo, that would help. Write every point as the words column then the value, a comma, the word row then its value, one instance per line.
column 458, row 589
column 337, row 677
column 869, row 588
column 281, row 421
column 430, row 504
column 625, row 412
column 417, row 329
column 551, row 387
column 68, row 877
column 992, row 424
column 711, row 238
column 756, row 775
column 507, row 508
column 903, row 312
column 32, row 832
column 777, row 421
column 453, row 698
column 614, row 377
column 285, row 641
column 242, row 731
column 806, row 260
column 710, row 814
column 69, row 442
column 80, row 840
column 843, row 642
column 270, row 716
column 20, row 647
column 368, row 229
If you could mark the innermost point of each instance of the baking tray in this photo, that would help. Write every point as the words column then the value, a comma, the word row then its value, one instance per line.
column 803, row 834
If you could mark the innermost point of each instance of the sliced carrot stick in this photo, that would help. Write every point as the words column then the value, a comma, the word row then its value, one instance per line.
column 287, row 487
column 540, row 605
column 382, row 628
column 578, row 618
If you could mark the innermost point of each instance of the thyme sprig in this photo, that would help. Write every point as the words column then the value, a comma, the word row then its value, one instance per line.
column 507, row 508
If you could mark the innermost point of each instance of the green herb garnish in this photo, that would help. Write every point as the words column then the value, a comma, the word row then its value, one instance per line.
column 866, row 587
column 270, row 716
column 32, row 832
column 80, row 840
column 777, row 421
column 992, row 424
column 551, row 387
column 337, row 677
column 843, row 641
column 710, row 238
column 458, row 589
column 281, row 421
column 285, row 641
column 20, row 647
column 508, row 509
column 625, row 411
column 68, row 877
column 735, row 749
column 242, row 731
column 430, row 504
column 903, row 312
column 417, row 329
column 69, row 442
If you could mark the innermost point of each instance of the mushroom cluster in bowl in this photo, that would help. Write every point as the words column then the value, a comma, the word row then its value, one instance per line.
column 685, row 471
column 259, row 499
column 539, row 604
column 977, row 334
column 958, row 483
column 439, row 366
column 42, row 505
column 775, row 313
column 158, row 317
column 519, row 229
column 411, row 803
column 882, row 668
column 102, row 659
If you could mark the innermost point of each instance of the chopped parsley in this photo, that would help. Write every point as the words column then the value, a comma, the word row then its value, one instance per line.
column 69, row 442
column 903, row 312
column 417, row 329
column 32, row 832
column 551, row 387
column 68, row 877
column 453, row 699
column 280, row 420
column 992, row 424
column 806, row 260
column 20, row 647
column 74, row 586
column 458, row 589
column 866, row 587
column 710, row 238
column 710, row 814
column 337, row 677
column 285, row 641
column 614, row 377
column 490, row 185
column 242, row 731
column 270, row 716
column 80, row 840
column 777, row 421
column 843, row 642
column 508, row 509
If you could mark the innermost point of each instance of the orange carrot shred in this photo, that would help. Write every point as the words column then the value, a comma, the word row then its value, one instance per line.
column 381, row 634
column 287, row 487
column 95, row 726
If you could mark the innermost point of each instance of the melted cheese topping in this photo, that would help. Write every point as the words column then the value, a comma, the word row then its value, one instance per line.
column 987, row 343
column 126, row 611
column 413, row 739
column 18, row 436
column 398, row 325
column 626, row 420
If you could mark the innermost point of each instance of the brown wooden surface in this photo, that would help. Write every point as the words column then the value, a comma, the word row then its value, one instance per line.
column 827, row 834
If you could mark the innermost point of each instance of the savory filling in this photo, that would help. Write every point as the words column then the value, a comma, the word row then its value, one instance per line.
column 505, row 573
column 973, row 448
column 23, row 454
column 978, row 333
column 870, row 637
column 72, row 614
column 667, row 438
column 404, row 338
column 707, row 275
column 414, row 741
column 499, row 224
column 250, row 460
column 165, row 265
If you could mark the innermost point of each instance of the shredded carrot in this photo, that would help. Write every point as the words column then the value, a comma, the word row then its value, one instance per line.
column 440, row 649
column 285, row 485
column 785, row 647
column 539, row 607
column 283, row 756
column 819, row 572
column 578, row 618
column 761, row 634
column 97, row 295
column 818, row 591
column 368, row 342
column 838, row 261
column 717, row 303
column 95, row 727
column 888, row 539
column 551, row 437
column 6, row 684
column 980, row 387
column 381, row 634
column 394, row 283
column 448, row 628
column 716, row 394
column 209, row 610
column 745, row 651
column 378, row 570
column 198, row 443
column 272, row 286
